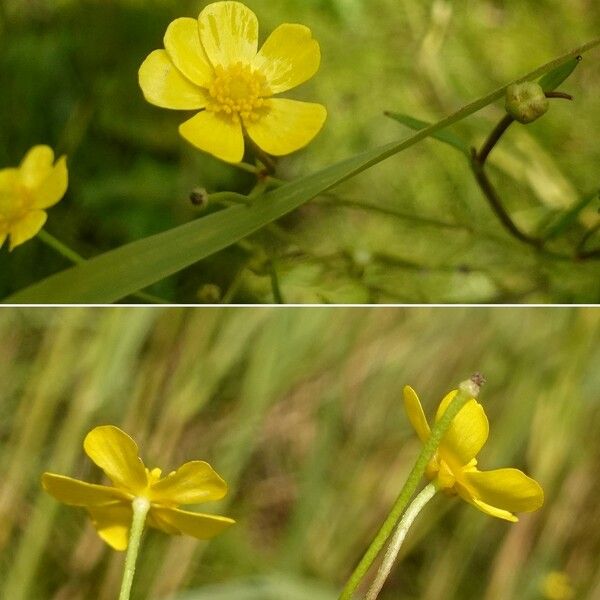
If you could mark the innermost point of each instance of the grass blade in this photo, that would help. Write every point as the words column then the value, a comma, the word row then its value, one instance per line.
column 443, row 136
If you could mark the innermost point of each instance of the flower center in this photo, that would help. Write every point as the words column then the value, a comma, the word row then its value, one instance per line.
column 238, row 91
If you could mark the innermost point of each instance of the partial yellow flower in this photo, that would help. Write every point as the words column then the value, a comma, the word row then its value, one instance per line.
column 111, row 507
column 213, row 63
column 557, row 586
column 453, row 468
column 25, row 191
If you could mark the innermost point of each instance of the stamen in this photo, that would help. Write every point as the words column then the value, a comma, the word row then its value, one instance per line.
column 239, row 92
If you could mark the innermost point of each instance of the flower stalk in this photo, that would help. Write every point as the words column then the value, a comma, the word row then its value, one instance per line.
column 415, row 507
column 140, row 506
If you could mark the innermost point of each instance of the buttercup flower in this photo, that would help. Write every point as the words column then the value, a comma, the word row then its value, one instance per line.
column 453, row 468
column 557, row 586
column 111, row 507
column 213, row 63
column 25, row 191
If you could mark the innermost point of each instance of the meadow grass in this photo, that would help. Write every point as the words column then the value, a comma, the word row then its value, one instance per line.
column 414, row 229
column 300, row 410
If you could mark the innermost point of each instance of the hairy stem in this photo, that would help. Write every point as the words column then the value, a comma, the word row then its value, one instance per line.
column 415, row 507
column 140, row 506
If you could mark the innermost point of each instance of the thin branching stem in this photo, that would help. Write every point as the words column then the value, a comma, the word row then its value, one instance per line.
column 496, row 204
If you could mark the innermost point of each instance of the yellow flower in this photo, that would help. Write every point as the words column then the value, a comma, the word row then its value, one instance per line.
column 111, row 507
column 453, row 468
column 213, row 63
column 557, row 586
column 27, row 190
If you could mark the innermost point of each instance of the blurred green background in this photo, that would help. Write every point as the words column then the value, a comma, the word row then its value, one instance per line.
column 69, row 79
column 300, row 410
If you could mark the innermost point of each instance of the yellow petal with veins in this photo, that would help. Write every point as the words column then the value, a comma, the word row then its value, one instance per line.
column 415, row 413
column 117, row 455
column 198, row 525
column 195, row 481
column 182, row 43
column 504, row 489
column 289, row 57
column 80, row 493
column 285, row 125
column 216, row 134
column 229, row 33
column 163, row 85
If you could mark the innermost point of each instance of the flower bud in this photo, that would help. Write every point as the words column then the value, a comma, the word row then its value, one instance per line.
column 199, row 197
column 526, row 102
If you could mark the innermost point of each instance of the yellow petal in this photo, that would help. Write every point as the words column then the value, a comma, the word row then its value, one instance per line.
column 10, row 196
column 198, row 525
column 216, row 134
column 415, row 413
column 113, row 523
column 3, row 237
column 286, row 125
column 36, row 165
column 117, row 455
column 163, row 85
column 155, row 521
column 193, row 482
column 289, row 57
column 182, row 43
column 80, row 493
column 229, row 33
column 26, row 227
column 467, row 434
column 51, row 189
column 503, row 490
column 9, row 178
column 492, row 511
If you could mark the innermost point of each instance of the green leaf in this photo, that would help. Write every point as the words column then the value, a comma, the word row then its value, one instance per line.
column 550, row 81
column 116, row 274
column 443, row 136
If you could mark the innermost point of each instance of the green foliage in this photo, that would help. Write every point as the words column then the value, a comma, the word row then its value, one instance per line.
column 70, row 68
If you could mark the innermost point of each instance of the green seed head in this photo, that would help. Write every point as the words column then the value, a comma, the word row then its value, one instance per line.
column 526, row 101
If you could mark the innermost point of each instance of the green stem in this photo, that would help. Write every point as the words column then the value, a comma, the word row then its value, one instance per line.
column 415, row 507
column 581, row 252
column 229, row 198
column 467, row 390
column 496, row 205
column 72, row 256
column 242, row 166
column 276, row 289
column 140, row 506
column 494, row 138
column 61, row 248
